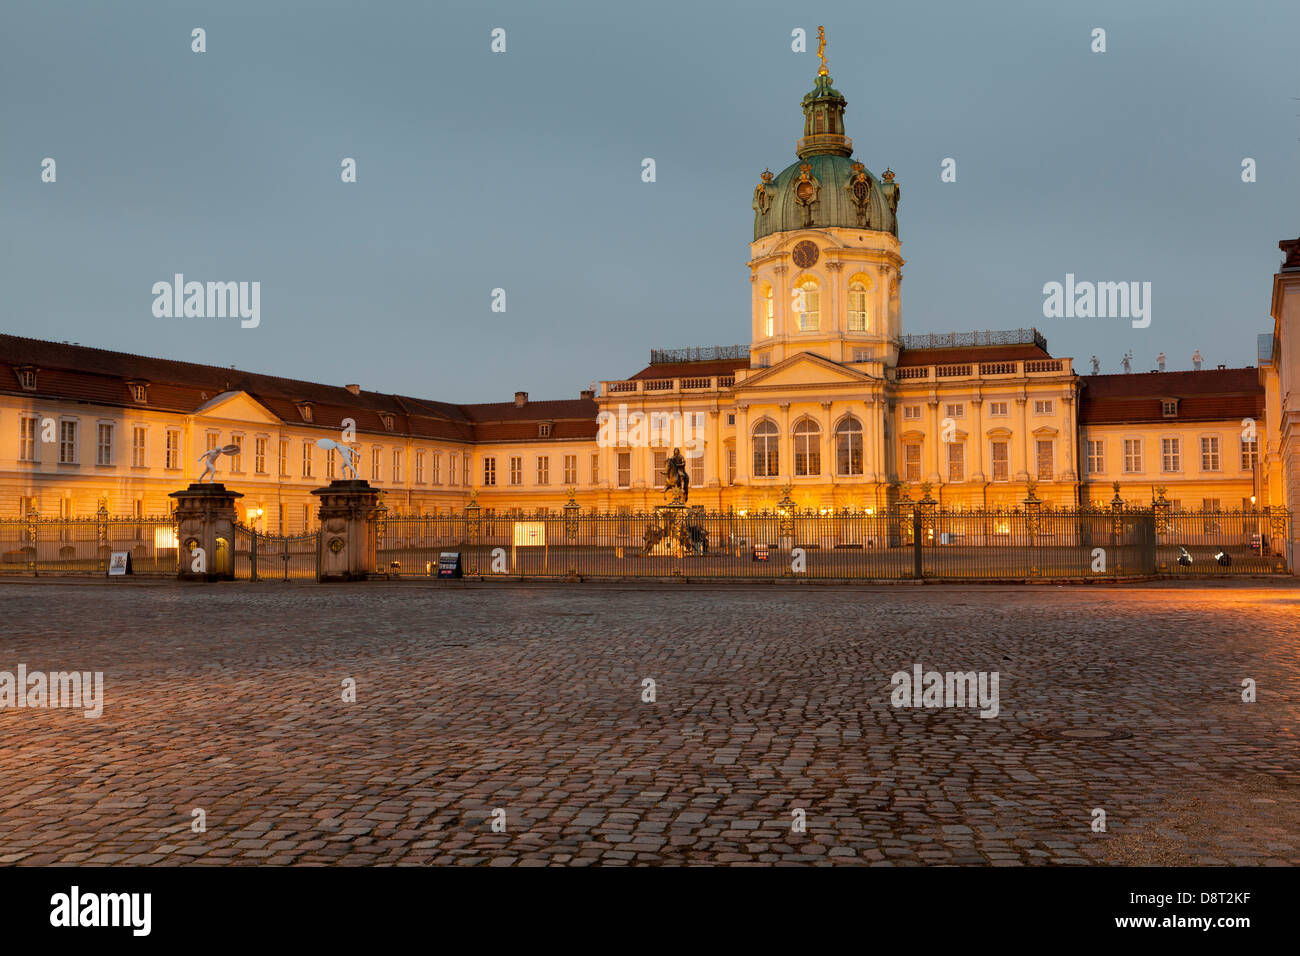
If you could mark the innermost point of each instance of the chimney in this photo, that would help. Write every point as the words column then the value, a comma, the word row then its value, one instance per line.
column 587, row 394
column 521, row 399
column 354, row 389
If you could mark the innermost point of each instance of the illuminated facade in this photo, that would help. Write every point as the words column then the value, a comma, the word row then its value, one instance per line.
column 829, row 397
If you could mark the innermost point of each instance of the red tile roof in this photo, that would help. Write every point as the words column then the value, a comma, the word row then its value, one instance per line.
column 101, row 377
column 692, row 369
column 1204, row 396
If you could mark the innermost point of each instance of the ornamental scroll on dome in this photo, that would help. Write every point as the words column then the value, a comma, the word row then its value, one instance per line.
column 805, row 192
column 860, row 192
column 763, row 194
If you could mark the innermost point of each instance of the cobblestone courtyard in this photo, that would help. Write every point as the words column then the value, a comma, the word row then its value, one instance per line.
column 228, row 698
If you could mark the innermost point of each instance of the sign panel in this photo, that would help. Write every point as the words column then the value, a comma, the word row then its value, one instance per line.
column 119, row 562
column 449, row 565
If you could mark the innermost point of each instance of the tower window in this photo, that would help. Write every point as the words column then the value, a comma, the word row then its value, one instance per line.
column 807, row 302
column 857, row 307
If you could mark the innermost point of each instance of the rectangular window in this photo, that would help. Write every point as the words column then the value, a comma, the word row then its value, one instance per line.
column 1210, row 453
column 660, row 462
column 329, row 463
column 625, row 469
column 212, row 439
column 282, row 458
column 1171, row 454
column 139, row 450
column 956, row 461
column 306, row 517
column 453, row 476
column 306, row 458
column 516, row 470
column 570, row 470
column 862, row 355
column 237, row 459
column 543, row 469
column 731, row 466
column 172, row 458
column 67, row 443
column 998, row 409
column 1132, row 456
column 435, row 472
column 1045, row 460
column 911, row 413
column 696, row 466
column 912, row 461
column 1001, row 461
column 1169, row 408
column 1042, row 406
column 466, row 472
column 397, row 466
column 1249, row 454
column 955, row 410
column 1096, row 457
column 419, row 467
column 595, row 469
column 27, row 438
column 376, row 462
column 259, row 455
column 103, row 444
column 489, row 471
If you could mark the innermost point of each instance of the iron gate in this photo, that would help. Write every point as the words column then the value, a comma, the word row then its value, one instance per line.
column 275, row 557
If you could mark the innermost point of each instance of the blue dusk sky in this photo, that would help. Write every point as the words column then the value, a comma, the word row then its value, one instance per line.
column 522, row 171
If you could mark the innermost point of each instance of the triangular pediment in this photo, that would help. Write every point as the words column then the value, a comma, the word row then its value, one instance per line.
column 803, row 370
column 237, row 406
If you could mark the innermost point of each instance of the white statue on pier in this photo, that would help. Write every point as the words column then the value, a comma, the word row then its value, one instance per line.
column 209, row 459
column 347, row 454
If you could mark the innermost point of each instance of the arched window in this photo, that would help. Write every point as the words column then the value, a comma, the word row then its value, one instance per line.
column 807, row 448
column 807, row 303
column 857, row 306
column 769, row 311
column 767, row 457
column 848, row 447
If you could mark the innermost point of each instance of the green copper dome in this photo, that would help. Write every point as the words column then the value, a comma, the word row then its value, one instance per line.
column 825, row 187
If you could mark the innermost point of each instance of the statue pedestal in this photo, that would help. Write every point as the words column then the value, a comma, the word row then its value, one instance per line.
column 205, row 519
column 347, row 530
column 665, row 531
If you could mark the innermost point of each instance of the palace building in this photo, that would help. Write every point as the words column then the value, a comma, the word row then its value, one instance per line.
column 829, row 402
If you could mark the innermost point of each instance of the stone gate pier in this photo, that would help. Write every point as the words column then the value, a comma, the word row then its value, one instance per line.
column 347, row 529
column 205, row 532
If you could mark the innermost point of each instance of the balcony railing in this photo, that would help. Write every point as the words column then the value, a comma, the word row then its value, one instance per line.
column 930, row 373
column 699, row 383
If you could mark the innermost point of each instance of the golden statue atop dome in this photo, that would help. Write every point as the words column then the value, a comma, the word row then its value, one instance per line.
column 821, row 51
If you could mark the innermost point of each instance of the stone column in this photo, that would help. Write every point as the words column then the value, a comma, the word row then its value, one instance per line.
column 347, row 530
column 785, row 444
column 977, row 436
column 934, row 441
column 744, row 447
column 205, row 519
column 870, row 452
column 1070, row 428
column 1020, row 447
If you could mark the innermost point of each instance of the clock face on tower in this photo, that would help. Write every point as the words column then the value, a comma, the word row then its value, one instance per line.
column 805, row 254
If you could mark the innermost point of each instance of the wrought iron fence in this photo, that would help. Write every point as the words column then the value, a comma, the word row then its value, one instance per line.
column 36, row 545
column 271, row 557
column 908, row 542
